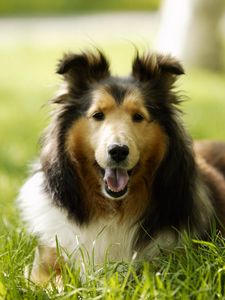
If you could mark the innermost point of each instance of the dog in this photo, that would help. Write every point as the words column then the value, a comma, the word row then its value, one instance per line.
column 118, row 174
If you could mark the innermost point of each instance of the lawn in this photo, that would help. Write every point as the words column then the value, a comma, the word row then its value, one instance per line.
column 27, row 81
column 60, row 7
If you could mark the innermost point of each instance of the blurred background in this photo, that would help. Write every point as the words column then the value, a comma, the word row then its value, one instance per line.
column 34, row 35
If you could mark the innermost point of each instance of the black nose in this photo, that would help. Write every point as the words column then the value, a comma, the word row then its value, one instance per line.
column 118, row 152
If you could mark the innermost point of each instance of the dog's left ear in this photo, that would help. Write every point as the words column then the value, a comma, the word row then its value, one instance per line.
column 80, row 70
column 157, row 68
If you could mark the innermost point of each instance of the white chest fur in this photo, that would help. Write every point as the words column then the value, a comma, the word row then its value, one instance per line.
column 104, row 238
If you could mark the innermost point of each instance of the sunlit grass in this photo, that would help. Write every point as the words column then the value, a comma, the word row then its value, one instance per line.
column 27, row 82
column 57, row 7
column 195, row 271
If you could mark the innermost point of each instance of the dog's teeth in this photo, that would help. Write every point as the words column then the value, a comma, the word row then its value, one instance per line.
column 109, row 188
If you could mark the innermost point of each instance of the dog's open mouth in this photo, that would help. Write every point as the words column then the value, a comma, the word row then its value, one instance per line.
column 116, row 181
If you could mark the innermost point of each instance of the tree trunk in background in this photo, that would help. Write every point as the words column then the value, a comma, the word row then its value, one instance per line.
column 190, row 30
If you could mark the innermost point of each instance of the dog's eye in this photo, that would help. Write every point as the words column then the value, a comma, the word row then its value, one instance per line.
column 137, row 117
column 99, row 116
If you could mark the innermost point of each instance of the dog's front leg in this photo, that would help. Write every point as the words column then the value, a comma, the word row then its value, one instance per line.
column 46, row 263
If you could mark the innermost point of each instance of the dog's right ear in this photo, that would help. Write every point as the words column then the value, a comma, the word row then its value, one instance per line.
column 80, row 70
column 160, row 69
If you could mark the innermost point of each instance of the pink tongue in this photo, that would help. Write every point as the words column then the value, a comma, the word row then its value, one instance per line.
column 116, row 179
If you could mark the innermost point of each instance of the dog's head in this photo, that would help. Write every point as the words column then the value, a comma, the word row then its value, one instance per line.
column 109, row 131
column 121, row 135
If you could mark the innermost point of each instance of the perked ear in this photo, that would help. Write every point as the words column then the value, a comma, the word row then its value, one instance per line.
column 156, row 66
column 80, row 70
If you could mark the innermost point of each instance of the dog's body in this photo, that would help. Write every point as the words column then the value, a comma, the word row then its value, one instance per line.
column 118, row 175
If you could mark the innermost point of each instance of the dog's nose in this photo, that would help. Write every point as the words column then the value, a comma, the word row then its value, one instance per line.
column 118, row 152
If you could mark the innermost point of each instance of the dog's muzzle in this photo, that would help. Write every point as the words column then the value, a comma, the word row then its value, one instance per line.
column 116, row 177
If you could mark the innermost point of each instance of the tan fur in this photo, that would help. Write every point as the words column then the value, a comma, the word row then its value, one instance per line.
column 78, row 146
column 102, row 101
column 147, row 138
column 210, row 157
column 46, row 261
column 133, row 103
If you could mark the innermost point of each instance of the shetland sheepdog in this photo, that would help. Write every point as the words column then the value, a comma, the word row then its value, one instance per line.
column 117, row 170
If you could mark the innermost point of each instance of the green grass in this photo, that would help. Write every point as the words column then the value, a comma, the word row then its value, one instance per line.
column 27, row 81
column 196, row 271
column 62, row 7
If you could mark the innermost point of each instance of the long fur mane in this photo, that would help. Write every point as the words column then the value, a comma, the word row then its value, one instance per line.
column 174, row 188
